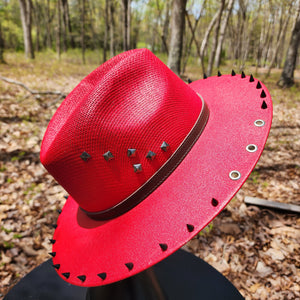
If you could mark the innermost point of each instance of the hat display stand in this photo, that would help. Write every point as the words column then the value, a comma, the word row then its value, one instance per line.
column 179, row 276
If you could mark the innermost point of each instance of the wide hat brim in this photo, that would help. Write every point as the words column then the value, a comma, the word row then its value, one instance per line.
column 93, row 253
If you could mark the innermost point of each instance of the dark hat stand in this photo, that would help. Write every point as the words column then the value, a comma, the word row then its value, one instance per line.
column 180, row 276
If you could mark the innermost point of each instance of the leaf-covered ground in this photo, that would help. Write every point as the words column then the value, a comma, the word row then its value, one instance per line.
column 257, row 249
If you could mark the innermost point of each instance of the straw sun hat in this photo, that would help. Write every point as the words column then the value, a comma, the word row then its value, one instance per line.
column 148, row 161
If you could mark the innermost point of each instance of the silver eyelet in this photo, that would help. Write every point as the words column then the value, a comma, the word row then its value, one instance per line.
column 235, row 175
column 259, row 123
column 251, row 148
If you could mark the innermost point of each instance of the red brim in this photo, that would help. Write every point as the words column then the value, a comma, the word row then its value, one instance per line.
column 92, row 253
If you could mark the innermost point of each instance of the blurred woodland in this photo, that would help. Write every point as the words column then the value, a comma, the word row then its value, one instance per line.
column 47, row 47
column 264, row 33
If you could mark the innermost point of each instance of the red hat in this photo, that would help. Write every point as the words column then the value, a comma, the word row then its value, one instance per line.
column 148, row 161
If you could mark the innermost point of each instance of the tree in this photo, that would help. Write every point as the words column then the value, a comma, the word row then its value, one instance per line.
column 111, row 28
column 287, row 75
column 25, row 9
column 1, row 46
column 126, row 24
column 177, row 30
column 215, row 40
column 83, row 30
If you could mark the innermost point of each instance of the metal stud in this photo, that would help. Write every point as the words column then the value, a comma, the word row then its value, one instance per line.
column 214, row 202
column 233, row 73
column 151, row 155
column 66, row 275
column 190, row 227
column 54, row 226
column 219, row 74
column 263, row 94
column 137, row 168
column 243, row 75
column 52, row 241
column 189, row 81
column 129, row 266
column 57, row 266
column 258, row 86
column 264, row 105
column 59, row 211
column 85, row 156
column 66, row 196
column 165, row 146
column 102, row 275
column 52, row 254
column 163, row 247
column 82, row 278
column 251, row 78
column 131, row 152
column 108, row 156
column 204, row 76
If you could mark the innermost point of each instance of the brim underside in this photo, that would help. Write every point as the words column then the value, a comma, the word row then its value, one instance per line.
column 93, row 253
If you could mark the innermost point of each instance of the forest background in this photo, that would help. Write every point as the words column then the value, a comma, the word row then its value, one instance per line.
column 47, row 47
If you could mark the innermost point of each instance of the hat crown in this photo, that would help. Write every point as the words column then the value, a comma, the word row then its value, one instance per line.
column 104, row 142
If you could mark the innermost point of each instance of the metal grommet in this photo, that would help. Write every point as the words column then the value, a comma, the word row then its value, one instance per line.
column 251, row 148
column 259, row 123
column 235, row 175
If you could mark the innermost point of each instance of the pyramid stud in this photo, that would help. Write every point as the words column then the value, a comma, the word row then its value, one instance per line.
column 131, row 152
column 52, row 241
column 52, row 254
column 54, row 226
column 189, row 81
column 102, row 275
column 163, row 247
column 258, row 86
column 82, row 278
column 243, row 75
column 264, row 105
column 129, row 266
column 57, row 266
column 214, row 202
column 137, row 168
column 108, row 156
column 165, row 146
column 59, row 211
column 66, row 196
column 190, row 227
column 85, row 156
column 263, row 94
column 66, row 275
column 151, row 155
column 219, row 74
column 233, row 73
column 204, row 76
column 251, row 78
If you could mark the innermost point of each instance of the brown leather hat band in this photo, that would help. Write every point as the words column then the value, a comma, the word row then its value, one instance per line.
column 160, row 176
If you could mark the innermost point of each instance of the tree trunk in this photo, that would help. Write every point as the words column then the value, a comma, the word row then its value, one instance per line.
column 1, row 46
column 83, row 30
column 165, row 32
column 126, row 24
column 111, row 29
column 282, row 33
column 48, row 30
column 193, row 38
column 205, row 40
column 177, row 29
column 106, row 29
column 25, row 7
column 287, row 75
column 222, row 33
column 215, row 40
column 58, row 29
